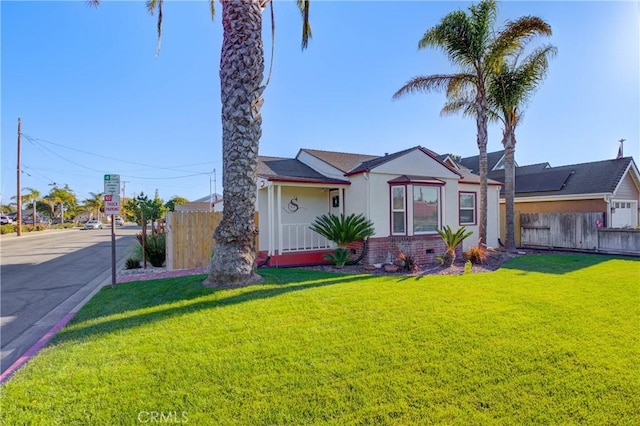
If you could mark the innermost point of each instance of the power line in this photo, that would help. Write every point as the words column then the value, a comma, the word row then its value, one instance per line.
column 35, row 141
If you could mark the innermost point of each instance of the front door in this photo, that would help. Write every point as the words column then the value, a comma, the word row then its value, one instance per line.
column 622, row 215
column 335, row 202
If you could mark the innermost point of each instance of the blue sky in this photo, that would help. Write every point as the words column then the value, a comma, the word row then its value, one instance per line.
column 95, row 99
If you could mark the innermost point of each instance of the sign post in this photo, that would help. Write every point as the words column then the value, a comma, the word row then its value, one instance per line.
column 112, row 207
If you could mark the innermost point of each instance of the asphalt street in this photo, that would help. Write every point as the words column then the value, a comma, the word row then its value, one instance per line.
column 46, row 275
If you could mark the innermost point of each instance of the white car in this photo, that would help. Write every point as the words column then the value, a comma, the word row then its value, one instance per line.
column 5, row 220
column 93, row 224
column 119, row 221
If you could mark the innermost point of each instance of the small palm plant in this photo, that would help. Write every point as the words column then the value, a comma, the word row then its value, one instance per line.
column 342, row 231
column 452, row 240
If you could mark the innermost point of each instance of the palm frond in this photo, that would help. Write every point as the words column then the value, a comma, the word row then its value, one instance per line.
column 429, row 83
column 514, row 36
column 343, row 230
column 303, row 5
column 93, row 3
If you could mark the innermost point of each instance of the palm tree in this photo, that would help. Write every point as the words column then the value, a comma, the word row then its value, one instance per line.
column 95, row 203
column 32, row 197
column 510, row 87
column 241, row 75
column 470, row 43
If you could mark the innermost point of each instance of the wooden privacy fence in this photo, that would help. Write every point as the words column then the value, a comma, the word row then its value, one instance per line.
column 560, row 230
column 190, row 238
column 577, row 231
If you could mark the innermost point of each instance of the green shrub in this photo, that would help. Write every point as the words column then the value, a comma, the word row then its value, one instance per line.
column 7, row 229
column 132, row 263
column 339, row 257
column 343, row 230
column 451, row 240
column 155, row 249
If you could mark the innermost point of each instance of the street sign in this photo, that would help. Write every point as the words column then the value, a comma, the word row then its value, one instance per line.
column 111, row 204
column 112, row 184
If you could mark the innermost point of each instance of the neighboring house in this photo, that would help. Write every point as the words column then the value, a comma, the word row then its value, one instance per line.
column 407, row 195
column 208, row 203
column 611, row 187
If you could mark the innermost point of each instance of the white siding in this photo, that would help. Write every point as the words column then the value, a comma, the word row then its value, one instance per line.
column 416, row 163
column 627, row 189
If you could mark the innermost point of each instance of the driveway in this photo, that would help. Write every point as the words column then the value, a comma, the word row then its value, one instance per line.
column 47, row 275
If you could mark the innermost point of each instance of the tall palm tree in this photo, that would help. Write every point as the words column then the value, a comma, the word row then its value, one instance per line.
column 471, row 44
column 510, row 88
column 95, row 203
column 241, row 75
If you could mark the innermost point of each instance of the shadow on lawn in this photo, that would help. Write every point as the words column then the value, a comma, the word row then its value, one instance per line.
column 76, row 331
column 558, row 264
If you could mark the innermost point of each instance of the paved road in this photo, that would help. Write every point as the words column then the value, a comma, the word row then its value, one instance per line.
column 43, row 276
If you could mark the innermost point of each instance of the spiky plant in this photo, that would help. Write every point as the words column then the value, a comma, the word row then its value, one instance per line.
column 339, row 257
column 343, row 230
column 452, row 240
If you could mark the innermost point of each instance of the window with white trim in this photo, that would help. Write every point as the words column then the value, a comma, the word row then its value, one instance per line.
column 467, row 208
column 426, row 209
column 398, row 210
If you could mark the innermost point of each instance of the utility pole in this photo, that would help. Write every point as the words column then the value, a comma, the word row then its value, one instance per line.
column 19, row 216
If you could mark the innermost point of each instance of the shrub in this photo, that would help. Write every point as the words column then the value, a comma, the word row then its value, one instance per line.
column 343, row 230
column 451, row 240
column 407, row 262
column 155, row 249
column 476, row 255
column 7, row 229
column 339, row 257
column 132, row 263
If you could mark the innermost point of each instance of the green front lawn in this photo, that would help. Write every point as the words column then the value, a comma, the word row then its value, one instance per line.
column 547, row 339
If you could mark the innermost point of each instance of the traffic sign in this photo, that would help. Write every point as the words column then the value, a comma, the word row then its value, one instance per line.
column 112, row 184
column 112, row 204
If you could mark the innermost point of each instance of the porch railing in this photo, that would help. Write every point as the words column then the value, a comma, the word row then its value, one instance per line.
column 298, row 237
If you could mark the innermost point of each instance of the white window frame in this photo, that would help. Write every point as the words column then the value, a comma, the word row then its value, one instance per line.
column 403, row 210
column 473, row 209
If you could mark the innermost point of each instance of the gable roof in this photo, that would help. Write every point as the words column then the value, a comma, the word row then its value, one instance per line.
column 378, row 161
column 343, row 161
column 291, row 170
column 598, row 177
column 473, row 163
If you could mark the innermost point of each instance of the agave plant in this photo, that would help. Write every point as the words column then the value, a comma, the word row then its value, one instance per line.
column 343, row 230
column 452, row 240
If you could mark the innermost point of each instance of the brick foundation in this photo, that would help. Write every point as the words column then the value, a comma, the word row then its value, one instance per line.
column 423, row 249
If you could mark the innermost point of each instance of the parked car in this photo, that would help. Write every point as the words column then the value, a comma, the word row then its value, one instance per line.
column 29, row 220
column 5, row 220
column 92, row 224
column 119, row 221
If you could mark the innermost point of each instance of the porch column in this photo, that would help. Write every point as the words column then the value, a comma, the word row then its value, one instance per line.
column 271, row 212
column 279, row 208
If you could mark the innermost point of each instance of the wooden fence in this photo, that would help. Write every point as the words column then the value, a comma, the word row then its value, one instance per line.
column 560, row 230
column 576, row 231
column 190, row 238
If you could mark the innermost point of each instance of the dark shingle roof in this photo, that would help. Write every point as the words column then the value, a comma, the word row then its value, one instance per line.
column 377, row 161
column 343, row 161
column 473, row 163
column 599, row 177
column 291, row 170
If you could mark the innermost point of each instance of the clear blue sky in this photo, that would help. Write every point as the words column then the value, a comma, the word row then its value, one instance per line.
column 95, row 99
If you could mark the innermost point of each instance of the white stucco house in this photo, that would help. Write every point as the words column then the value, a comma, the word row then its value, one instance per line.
column 407, row 195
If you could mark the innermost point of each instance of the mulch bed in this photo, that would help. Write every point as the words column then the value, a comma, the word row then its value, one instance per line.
column 494, row 262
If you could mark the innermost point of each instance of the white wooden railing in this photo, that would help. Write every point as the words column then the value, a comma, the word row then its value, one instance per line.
column 298, row 237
